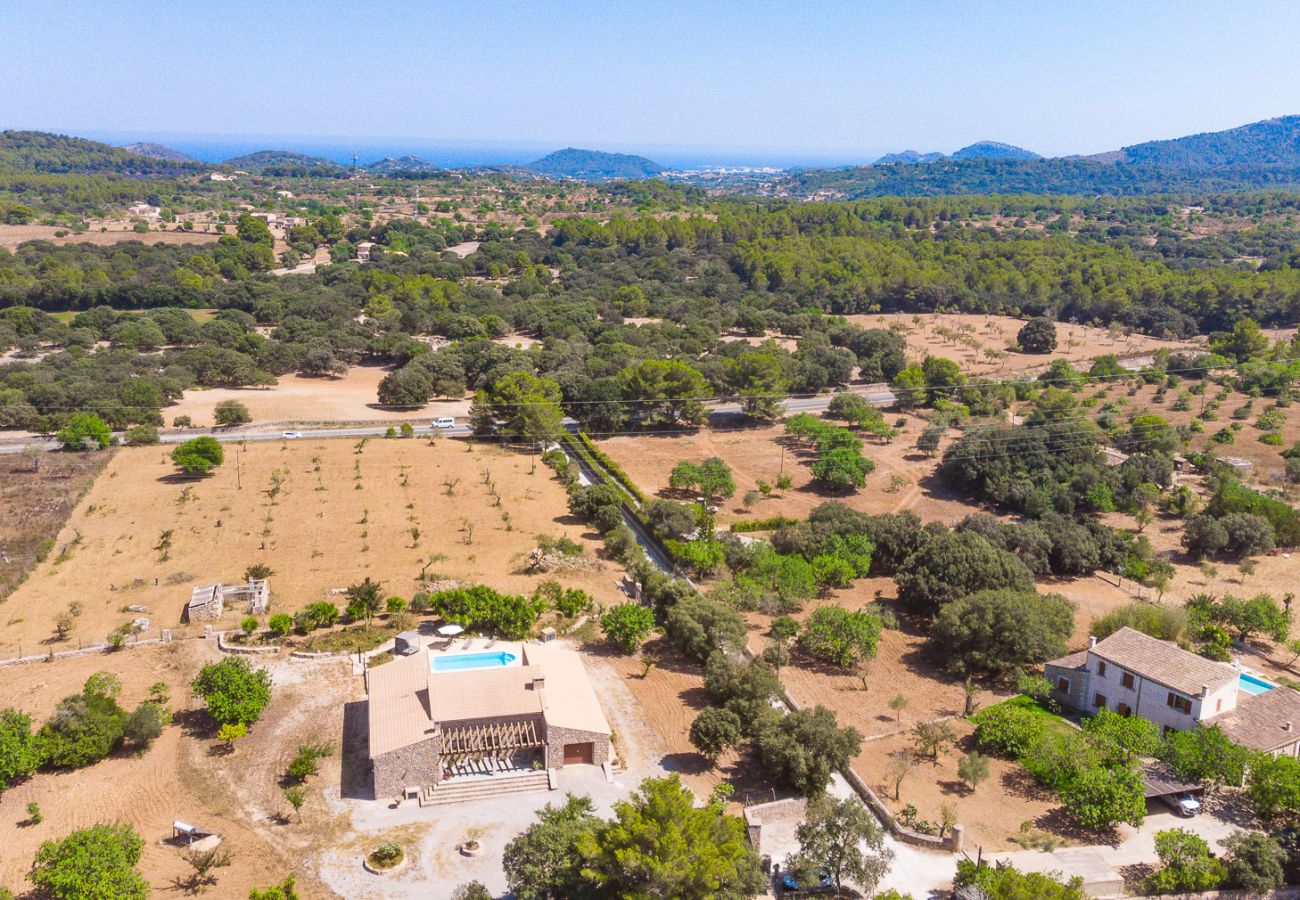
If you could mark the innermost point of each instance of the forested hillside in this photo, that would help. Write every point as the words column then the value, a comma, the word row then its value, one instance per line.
column 44, row 153
column 594, row 165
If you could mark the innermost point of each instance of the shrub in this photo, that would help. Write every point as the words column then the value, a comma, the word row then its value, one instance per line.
column 20, row 753
column 91, row 863
column 198, row 456
column 1256, row 862
column 304, row 763
column 716, row 730
column 484, row 610
column 1008, row 730
column 627, row 625
column 803, row 748
column 146, row 723
column 280, row 624
column 321, row 614
column 231, row 412
column 386, row 855
column 141, row 435
column 235, row 693
column 698, row 626
column 1186, row 864
column 85, row 727
column 835, row 635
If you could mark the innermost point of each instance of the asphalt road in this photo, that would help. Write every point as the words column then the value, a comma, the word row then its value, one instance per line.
column 873, row 393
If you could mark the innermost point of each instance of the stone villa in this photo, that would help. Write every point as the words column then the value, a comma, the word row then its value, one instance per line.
column 437, row 717
column 1131, row 673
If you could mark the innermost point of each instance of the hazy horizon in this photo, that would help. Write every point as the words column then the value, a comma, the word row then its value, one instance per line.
column 826, row 82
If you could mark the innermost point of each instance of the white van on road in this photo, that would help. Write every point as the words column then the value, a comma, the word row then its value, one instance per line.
column 444, row 422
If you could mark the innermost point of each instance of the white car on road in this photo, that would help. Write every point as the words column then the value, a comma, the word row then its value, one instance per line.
column 444, row 422
column 290, row 435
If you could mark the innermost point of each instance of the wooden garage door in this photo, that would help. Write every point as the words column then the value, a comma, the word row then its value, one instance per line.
column 577, row 753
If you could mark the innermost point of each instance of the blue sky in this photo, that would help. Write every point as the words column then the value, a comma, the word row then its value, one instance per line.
column 838, row 79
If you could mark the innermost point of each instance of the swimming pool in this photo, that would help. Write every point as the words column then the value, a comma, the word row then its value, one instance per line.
column 1252, row 685
column 462, row 662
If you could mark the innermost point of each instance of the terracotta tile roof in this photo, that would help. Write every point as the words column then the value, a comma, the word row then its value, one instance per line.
column 398, row 704
column 570, row 699
column 1073, row 661
column 1164, row 662
column 1259, row 721
column 484, row 694
column 407, row 700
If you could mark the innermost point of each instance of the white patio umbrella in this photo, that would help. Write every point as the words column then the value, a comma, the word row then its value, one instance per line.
column 450, row 630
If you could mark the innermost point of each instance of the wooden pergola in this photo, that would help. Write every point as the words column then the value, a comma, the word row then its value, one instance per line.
column 493, row 738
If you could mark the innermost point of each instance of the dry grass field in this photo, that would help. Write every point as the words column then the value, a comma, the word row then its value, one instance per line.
column 974, row 341
column 13, row 235
column 178, row 777
column 761, row 453
column 352, row 397
column 322, row 514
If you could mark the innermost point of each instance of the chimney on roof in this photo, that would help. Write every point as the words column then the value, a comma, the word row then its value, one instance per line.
column 1092, row 641
column 1286, row 727
column 539, row 682
column 1205, row 690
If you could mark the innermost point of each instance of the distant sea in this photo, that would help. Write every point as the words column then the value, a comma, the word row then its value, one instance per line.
column 459, row 154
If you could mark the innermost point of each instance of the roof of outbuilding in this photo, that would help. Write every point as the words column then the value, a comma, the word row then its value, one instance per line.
column 1260, row 721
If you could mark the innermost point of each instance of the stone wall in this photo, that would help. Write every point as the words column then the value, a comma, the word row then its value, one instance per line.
column 417, row 765
column 556, row 738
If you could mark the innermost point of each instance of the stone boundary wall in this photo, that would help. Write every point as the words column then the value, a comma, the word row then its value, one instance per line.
column 88, row 650
column 236, row 648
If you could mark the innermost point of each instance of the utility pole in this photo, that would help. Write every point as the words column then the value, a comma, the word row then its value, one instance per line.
column 239, row 457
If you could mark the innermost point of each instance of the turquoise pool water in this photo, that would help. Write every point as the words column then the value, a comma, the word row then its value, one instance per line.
column 464, row 661
column 1252, row 685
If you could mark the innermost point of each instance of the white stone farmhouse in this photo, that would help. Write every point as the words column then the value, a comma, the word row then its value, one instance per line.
column 1131, row 673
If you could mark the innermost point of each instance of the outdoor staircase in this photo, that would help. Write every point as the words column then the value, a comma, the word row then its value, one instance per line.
column 465, row 790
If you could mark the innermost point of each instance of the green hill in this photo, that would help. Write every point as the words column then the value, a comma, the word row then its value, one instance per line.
column 994, row 150
column 1273, row 142
column 58, row 154
column 595, row 165
column 158, row 151
column 286, row 163
column 402, row 165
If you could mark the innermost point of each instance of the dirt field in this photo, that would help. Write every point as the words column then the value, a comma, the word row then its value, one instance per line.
column 296, row 398
column 177, row 778
column 13, row 235
column 36, row 497
column 670, row 696
column 973, row 340
column 761, row 453
column 325, row 527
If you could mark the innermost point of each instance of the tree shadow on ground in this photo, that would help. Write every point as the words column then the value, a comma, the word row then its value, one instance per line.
column 355, row 779
column 686, row 763
column 1232, row 806
column 1059, row 823
column 195, row 723
column 1019, row 783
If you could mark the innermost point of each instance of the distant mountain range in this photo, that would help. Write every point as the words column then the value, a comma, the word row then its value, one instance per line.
column 979, row 150
column 158, row 151
column 594, row 165
column 1260, row 155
